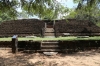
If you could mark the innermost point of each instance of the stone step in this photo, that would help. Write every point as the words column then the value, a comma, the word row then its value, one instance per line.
column 50, row 50
column 50, row 47
column 49, row 30
column 49, row 42
column 48, row 34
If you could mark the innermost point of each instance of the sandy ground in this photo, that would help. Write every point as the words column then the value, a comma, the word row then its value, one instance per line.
column 86, row 58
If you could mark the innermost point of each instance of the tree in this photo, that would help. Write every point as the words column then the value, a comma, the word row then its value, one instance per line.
column 6, row 17
column 87, row 9
column 8, row 7
column 72, row 14
column 44, row 9
column 40, row 8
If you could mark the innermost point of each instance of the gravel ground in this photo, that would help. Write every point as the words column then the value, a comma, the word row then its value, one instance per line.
column 86, row 58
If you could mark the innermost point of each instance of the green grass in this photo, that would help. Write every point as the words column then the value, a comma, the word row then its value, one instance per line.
column 70, row 38
column 75, row 38
column 6, row 39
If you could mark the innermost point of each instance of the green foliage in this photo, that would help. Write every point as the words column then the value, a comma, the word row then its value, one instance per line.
column 8, row 7
column 51, row 9
column 40, row 8
column 86, row 10
column 44, row 8
column 5, row 17
column 8, row 10
column 72, row 14
column 76, row 1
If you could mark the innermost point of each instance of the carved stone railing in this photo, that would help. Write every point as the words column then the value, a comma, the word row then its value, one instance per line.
column 42, row 32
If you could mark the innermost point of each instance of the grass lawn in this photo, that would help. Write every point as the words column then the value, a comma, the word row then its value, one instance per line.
column 70, row 38
column 6, row 39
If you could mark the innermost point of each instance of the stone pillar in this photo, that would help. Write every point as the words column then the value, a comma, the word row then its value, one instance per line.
column 15, row 44
column 45, row 25
column 53, row 23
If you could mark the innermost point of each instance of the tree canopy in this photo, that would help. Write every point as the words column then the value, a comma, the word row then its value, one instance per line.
column 51, row 9
column 40, row 8
column 86, row 10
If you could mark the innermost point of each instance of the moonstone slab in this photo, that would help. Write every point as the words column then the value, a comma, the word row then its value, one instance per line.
column 50, row 53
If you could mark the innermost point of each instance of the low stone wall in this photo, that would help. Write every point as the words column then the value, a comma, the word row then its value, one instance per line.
column 29, row 45
column 25, row 27
column 79, row 44
column 76, row 27
column 5, row 44
column 63, row 45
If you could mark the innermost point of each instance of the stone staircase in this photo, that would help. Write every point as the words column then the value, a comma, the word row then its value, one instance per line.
column 50, row 46
column 49, row 32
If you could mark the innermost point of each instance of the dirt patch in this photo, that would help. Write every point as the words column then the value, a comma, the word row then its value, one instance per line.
column 86, row 58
